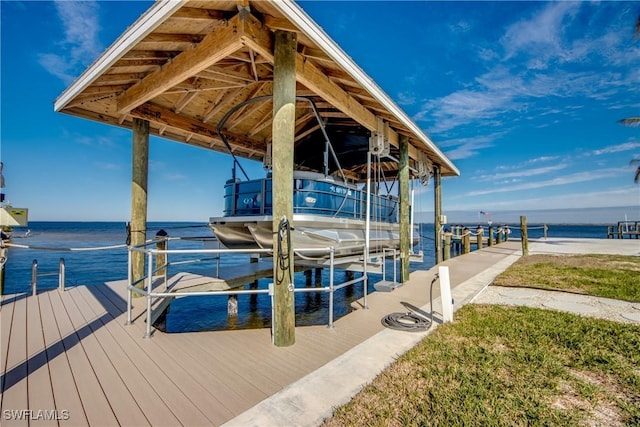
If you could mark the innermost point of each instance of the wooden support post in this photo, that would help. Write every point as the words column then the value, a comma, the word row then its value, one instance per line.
column 490, row 241
column 405, row 236
column 232, row 306
column 283, row 134
column 308, row 274
column 466, row 241
column 524, row 234
column 499, row 235
column 447, row 246
column 161, row 259
column 479, row 233
column 318, row 277
column 437, row 212
column 139, row 177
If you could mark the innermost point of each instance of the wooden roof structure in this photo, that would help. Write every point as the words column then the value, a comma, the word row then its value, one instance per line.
column 184, row 64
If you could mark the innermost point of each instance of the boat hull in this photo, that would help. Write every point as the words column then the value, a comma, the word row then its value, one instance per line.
column 312, row 235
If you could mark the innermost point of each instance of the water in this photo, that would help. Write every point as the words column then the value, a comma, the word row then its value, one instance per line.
column 198, row 313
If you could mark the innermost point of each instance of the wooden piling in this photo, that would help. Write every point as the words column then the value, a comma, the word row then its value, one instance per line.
column 490, row 237
column 284, row 116
column 479, row 233
column 161, row 258
column 524, row 236
column 139, row 177
column 318, row 277
column 447, row 246
column 466, row 241
column 405, row 244
column 499, row 235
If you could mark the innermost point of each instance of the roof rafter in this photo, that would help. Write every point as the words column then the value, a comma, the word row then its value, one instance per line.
column 213, row 47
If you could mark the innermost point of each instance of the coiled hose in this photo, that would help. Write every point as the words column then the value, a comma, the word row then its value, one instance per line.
column 411, row 321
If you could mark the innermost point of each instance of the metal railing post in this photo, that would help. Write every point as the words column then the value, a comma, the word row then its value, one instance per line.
column 384, row 264
column 129, row 291
column 218, row 261
column 149, row 288
column 273, row 314
column 166, row 267
column 331, row 271
column 61, row 274
column 34, row 276
column 395, row 262
column 365, row 282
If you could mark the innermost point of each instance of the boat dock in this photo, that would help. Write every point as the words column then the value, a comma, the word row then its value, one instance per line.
column 69, row 359
column 69, row 355
column 623, row 229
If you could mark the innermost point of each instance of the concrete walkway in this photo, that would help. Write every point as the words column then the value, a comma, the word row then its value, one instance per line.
column 311, row 399
column 604, row 308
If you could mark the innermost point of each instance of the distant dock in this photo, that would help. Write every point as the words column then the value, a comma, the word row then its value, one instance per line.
column 623, row 229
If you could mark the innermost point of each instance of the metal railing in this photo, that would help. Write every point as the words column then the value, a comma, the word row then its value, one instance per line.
column 152, row 295
column 35, row 274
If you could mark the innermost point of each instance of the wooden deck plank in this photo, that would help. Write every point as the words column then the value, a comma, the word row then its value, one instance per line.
column 118, row 396
column 39, row 380
column 6, row 316
column 191, row 403
column 15, row 387
column 208, row 374
column 268, row 368
column 154, row 408
column 177, row 401
column 94, row 401
column 236, row 386
column 65, row 392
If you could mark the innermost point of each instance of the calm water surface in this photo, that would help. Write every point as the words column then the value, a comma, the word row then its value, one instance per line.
column 197, row 313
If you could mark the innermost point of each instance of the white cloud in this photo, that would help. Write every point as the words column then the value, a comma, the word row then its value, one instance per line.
column 541, row 35
column 627, row 146
column 542, row 57
column 521, row 173
column 562, row 180
column 622, row 196
column 80, row 45
column 469, row 147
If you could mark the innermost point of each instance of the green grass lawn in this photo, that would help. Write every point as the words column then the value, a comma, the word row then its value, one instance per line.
column 610, row 276
column 505, row 366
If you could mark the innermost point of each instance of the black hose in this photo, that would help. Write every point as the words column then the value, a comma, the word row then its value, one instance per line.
column 411, row 321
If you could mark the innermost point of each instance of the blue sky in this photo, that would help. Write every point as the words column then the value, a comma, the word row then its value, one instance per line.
column 524, row 97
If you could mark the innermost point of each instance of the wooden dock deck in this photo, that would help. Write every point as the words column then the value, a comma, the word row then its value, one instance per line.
column 67, row 358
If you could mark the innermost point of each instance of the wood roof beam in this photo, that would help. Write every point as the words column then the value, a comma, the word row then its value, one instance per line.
column 225, row 74
column 219, row 103
column 162, row 116
column 173, row 38
column 199, row 14
column 214, row 46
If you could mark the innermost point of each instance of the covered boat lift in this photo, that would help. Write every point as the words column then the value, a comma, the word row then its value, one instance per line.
column 182, row 65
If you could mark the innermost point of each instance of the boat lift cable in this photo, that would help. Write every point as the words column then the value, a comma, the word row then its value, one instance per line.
column 411, row 321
